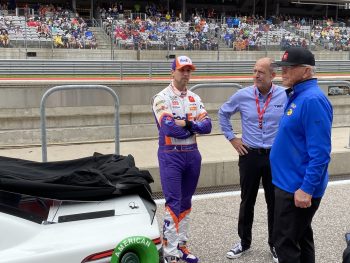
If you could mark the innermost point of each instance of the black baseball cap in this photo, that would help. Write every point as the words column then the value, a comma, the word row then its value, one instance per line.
column 296, row 56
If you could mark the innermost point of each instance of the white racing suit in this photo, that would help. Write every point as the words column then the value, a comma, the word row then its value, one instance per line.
column 179, row 159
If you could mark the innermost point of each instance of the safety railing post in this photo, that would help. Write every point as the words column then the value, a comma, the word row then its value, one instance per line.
column 150, row 71
column 72, row 87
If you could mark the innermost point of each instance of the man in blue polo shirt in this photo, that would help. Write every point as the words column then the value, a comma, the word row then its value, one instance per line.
column 261, row 107
column 299, row 158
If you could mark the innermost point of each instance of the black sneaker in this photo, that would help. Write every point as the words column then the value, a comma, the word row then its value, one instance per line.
column 236, row 251
column 274, row 254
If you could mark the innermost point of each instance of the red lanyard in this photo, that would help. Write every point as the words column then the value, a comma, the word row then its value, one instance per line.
column 261, row 112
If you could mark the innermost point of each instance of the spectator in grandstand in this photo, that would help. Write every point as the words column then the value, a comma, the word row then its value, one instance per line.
column 43, row 30
column 228, row 37
column 121, row 7
column 236, row 22
column 80, row 42
column 114, row 12
column 65, row 40
column 32, row 23
column 284, row 43
column 57, row 41
column 229, row 22
column 103, row 13
column 196, row 44
column 299, row 157
column 274, row 39
column 3, row 9
column 91, row 43
column 261, row 107
column 180, row 115
column 303, row 43
column 251, row 44
column 4, row 38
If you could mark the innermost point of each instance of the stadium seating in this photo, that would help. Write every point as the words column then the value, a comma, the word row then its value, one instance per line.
column 52, row 28
column 62, row 28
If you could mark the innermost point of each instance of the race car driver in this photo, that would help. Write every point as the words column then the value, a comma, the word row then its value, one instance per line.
column 180, row 115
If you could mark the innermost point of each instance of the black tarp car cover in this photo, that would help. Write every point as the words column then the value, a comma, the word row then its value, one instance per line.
column 98, row 177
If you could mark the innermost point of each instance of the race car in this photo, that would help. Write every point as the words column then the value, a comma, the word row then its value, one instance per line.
column 95, row 209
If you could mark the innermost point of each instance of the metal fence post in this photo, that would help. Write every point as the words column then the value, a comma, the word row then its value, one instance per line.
column 150, row 71
column 72, row 87
column 121, row 70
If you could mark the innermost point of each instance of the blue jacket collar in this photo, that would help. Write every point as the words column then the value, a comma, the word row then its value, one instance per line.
column 303, row 85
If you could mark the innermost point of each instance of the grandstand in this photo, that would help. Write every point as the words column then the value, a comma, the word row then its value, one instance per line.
column 50, row 27
column 138, row 26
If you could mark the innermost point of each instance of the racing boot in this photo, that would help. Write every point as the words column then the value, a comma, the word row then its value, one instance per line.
column 186, row 254
column 171, row 259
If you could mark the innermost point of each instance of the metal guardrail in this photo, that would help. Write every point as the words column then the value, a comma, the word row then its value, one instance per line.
column 145, row 68
column 118, row 68
column 72, row 87
column 216, row 86
column 341, row 82
column 337, row 82
column 239, row 86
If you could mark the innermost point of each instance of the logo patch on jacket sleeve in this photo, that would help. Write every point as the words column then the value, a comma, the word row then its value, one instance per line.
column 191, row 99
column 168, row 120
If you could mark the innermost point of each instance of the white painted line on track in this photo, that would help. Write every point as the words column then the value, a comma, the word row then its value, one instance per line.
column 236, row 193
column 340, row 182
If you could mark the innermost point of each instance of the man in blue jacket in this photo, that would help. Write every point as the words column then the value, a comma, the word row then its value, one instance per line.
column 299, row 158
